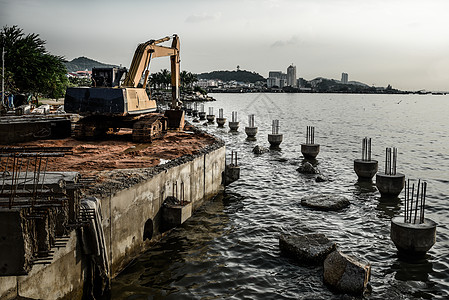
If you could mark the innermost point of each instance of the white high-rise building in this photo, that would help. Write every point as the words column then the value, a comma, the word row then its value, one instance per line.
column 344, row 78
column 291, row 76
column 276, row 79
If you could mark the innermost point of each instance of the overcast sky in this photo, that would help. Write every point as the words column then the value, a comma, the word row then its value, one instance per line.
column 397, row 42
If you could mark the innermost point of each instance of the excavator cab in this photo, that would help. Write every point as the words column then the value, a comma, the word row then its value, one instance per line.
column 108, row 77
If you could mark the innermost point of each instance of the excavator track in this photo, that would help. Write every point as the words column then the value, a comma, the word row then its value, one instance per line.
column 145, row 128
column 149, row 127
column 88, row 130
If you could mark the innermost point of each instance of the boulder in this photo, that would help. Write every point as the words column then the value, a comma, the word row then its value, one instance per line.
column 325, row 202
column 259, row 150
column 309, row 249
column 320, row 178
column 307, row 168
column 345, row 274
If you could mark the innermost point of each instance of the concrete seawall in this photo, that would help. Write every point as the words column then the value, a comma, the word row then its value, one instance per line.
column 131, row 202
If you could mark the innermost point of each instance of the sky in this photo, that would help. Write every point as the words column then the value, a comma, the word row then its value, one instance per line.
column 396, row 42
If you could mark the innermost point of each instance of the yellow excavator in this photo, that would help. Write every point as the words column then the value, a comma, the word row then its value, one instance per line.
column 112, row 103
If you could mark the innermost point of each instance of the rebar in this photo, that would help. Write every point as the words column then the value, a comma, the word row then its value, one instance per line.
column 275, row 127
column 391, row 155
column 366, row 149
column 31, row 179
column 202, row 107
column 220, row 113
column 251, row 120
column 310, row 135
column 234, row 159
column 182, row 200
column 211, row 110
column 234, row 116
column 414, row 206
column 195, row 106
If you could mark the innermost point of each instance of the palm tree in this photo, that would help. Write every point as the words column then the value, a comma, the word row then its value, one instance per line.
column 165, row 78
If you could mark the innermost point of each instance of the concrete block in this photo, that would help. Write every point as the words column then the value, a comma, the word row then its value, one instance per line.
column 16, row 244
column 344, row 274
column 306, row 248
column 176, row 214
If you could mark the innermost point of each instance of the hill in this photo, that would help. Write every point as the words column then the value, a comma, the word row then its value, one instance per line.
column 239, row 75
column 84, row 63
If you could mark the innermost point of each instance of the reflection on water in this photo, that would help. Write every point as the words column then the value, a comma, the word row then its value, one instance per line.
column 388, row 207
column 229, row 248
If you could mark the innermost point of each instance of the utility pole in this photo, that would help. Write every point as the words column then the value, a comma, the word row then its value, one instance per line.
column 3, row 75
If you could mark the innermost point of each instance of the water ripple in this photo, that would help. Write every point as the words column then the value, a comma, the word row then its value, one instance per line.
column 229, row 248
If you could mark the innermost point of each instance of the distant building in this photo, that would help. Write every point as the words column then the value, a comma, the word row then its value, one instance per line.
column 276, row 79
column 344, row 78
column 275, row 74
column 291, row 76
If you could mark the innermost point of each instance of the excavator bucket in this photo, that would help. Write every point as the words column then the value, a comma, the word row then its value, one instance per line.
column 175, row 119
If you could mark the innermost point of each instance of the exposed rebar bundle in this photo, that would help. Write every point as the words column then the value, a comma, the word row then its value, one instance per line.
column 23, row 175
column 234, row 116
column 366, row 149
column 195, row 106
column 211, row 110
column 234, row 159
column 251, row 120
column 310, row 135
column 202, row 108
column 414, row 207
column 391, row 155
column 275, row 127
column 220, row 113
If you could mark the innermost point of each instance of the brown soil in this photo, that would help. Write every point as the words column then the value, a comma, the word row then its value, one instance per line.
column 119, row 152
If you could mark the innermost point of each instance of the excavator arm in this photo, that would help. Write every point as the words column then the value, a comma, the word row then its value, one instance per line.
column 142, row 58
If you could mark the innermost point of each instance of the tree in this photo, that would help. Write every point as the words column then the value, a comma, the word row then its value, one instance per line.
column 33, row 70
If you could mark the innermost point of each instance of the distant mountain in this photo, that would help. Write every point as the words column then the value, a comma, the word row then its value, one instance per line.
column 358, row 83
column 240, row 76
column 84, row 63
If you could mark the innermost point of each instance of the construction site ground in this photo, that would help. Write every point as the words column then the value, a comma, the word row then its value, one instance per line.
column 119, row 152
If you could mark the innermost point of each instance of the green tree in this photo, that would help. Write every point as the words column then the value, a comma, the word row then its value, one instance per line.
column 33, row 70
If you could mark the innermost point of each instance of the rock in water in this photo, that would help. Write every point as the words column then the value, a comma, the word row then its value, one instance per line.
column 320, row 178
column 325, row 202
column 345, row 274
column 306, row 248
column 259, row 150
column 307, row 168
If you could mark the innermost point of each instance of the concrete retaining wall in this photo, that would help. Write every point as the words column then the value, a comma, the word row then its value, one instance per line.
column 130, row 199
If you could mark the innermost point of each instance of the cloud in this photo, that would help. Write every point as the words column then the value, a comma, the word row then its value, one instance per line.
column 294, row 40
column 204, row 17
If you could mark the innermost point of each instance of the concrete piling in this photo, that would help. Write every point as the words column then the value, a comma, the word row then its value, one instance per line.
column 188, row 109
column 234, row 125
column 365, row 168
column 310, row 150
column 202, row 113
column 251, row 130
column 413, row 234
column 195, row 110
column 232, row 170
column 221, row 120
column 210, row 117
column 391, row 183
column 275, row 139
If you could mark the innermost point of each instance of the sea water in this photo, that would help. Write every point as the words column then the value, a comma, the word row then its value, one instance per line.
column 229, row 249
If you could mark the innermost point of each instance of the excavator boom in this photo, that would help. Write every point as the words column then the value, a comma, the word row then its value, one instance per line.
column 142, row 58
